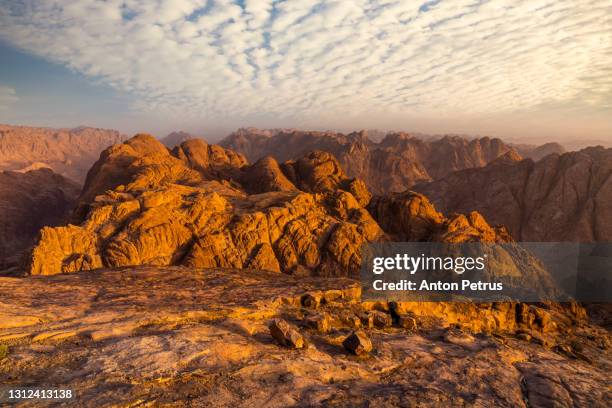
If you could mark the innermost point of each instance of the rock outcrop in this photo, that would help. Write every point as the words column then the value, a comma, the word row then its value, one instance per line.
column 559, row 198
column 392, row 165
column 411, row 217
column 29, row 201
column 142, row 204
column 69, row 152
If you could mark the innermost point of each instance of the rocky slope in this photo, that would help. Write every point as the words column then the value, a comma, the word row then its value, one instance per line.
column 169, row 336
column 69, row 152
column 564, row 197
column 392, row 165
column 29, row 201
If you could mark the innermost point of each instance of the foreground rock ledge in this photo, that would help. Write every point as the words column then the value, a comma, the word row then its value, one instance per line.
column 174, row 336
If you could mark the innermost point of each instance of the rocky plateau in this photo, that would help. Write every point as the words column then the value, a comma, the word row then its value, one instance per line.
column 173, row 337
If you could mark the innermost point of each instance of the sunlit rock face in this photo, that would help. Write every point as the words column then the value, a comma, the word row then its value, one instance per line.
column 145, row 204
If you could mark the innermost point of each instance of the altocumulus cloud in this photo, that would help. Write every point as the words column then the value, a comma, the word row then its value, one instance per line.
column 295, row 58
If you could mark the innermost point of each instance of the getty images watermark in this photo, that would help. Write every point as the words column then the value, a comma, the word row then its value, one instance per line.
column 487, row 272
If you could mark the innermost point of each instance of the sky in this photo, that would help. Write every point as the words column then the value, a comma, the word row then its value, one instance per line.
column 525, row 70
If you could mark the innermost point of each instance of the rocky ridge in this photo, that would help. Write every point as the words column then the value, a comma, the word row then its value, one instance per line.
column 202, row 206
column 69, row 152
column 564, row 197
column 392, row 165
column 539, row 152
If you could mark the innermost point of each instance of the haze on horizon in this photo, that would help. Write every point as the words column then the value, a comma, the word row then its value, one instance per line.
column 524, row 70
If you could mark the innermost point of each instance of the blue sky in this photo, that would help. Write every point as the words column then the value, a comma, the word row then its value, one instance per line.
column 517, row 69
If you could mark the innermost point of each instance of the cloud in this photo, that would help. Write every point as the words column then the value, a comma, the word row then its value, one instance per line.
column 8, row 96
column 311, row 59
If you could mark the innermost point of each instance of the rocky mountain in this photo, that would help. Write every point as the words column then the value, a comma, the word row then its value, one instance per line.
column 29, row 201
column 69, row 152
column 393, row 164
column 564, row 197
column 201, row 205
column 176, row 138
column 537, row 152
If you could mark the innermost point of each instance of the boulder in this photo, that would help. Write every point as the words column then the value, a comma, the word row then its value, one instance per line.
column 286, row 334
column 310, row 300
column 381, row 319
column 319, row 322
column 358, row 343
column 407, row 322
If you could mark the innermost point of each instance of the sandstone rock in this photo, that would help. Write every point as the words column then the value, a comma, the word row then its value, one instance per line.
column 318, row 171
column 349, row 319
column 212, row 161
column 319, row 322
column 407, row 322
column 264, row 176
column 523, row 336
column 143, row 205
column 411, row 217
column 286, row 334
column 264, row 259
column 310, row 300
column 174, row 334
column 367, row 320
column 358, row 343
column 381, row 319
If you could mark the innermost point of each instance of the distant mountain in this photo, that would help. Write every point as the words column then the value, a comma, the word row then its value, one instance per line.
column 564, row 197
column 538, row 152
column 394, row 164
column 29, row 201
column 69, row 152
column 176, row 138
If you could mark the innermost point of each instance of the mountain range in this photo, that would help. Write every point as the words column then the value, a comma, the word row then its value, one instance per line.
column 394, row 164
column 69, row 152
